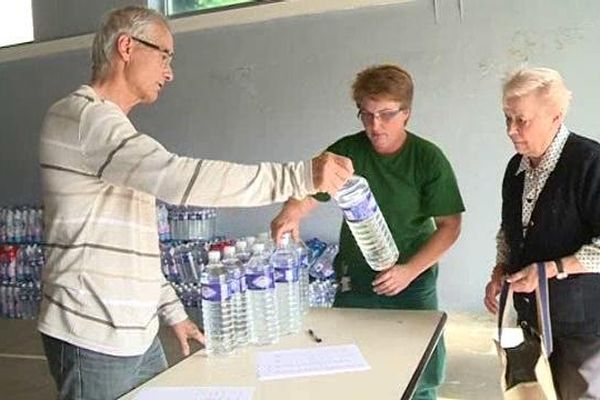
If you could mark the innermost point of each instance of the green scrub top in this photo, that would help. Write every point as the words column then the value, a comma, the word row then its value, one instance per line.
column 411, row 187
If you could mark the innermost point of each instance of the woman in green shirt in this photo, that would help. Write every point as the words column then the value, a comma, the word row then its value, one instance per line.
column 416, row 190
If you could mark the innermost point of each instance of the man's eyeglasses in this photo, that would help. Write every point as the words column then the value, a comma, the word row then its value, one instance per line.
column 167, row 56
column 383, row 116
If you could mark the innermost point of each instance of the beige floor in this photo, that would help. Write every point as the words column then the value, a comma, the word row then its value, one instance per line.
column 472, row 372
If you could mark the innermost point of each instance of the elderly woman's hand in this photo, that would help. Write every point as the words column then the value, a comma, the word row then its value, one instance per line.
column 526, row 280
column 492, row 290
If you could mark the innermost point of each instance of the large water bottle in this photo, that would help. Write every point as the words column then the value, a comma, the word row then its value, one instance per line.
column 364, row 218
column 216, row 307
column 264, row 326
column 239, row 295
column 287, row 286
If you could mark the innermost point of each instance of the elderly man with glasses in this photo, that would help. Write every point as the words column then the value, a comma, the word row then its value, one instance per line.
column 417, row 192
column 104, row 292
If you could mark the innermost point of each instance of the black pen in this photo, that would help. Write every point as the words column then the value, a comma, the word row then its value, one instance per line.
column 314, row 336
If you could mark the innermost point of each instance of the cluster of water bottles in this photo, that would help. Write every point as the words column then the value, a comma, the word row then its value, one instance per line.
column 21, row 224
column 20, row 276
column 185, row 222
column 254, row 296
column 182, row 265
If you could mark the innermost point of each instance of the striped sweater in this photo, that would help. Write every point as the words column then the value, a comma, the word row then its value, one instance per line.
column 103, row 288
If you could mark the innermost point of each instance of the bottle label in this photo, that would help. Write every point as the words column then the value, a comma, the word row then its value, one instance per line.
column 286, row 274
column 215, row 292
column 260, row 281
column 361, row 211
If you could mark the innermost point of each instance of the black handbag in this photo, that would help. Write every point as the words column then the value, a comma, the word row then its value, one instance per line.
column 526, row 373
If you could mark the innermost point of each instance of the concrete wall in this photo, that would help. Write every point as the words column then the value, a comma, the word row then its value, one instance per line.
column 279, row 90
column 63, row 18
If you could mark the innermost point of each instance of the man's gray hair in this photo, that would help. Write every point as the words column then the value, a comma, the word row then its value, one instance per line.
column 545, row 83
column 131, row 20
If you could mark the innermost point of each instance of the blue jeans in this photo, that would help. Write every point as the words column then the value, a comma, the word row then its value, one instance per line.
column 82, row 374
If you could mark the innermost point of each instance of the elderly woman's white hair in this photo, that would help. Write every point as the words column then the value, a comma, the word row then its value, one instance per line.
column 133, row 20
column 547, row 84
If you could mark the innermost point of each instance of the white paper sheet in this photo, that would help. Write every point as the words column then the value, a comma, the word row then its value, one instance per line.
column 320, row 360
column 196, row 393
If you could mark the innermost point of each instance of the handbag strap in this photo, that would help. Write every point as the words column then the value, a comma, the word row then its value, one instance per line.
column 543, row 308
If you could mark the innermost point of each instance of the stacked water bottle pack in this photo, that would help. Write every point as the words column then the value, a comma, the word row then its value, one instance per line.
column 185, row 222
column 21, row 224
column 20, row 276
column 21, row 261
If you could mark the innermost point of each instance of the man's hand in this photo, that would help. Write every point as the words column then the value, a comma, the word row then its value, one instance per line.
column 288, row 219
column 330, row 172
column 393, row 280
column 184, row 331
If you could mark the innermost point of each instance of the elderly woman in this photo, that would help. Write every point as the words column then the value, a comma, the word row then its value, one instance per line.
column 551, row 214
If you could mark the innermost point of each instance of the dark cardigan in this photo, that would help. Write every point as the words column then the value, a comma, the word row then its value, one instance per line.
column 566, row 216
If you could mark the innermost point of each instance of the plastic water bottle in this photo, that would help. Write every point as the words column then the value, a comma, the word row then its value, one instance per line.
column 303, row 262
column 239, row 295
column 265, row 238
column 287, row 286
column 3, row 225
column 322, row 268
column 322, row 293
column 162, row 216
column 264, row 326
column 250, row 240
column 242, row 252
column 217, row 307
column 10, row 225
column 19, row 231
column 364, row 218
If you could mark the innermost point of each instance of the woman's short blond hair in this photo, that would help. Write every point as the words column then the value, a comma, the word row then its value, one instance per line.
column 383, row 81
column 547, row 84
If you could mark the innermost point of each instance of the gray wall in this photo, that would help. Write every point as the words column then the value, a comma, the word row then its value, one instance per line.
column 279, row 90
column 64, row 18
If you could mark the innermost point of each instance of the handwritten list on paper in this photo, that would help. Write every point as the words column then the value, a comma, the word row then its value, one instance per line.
column 310, row 361
column 196, row 393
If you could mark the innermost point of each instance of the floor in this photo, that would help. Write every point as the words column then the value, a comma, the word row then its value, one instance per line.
column 472, row 370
